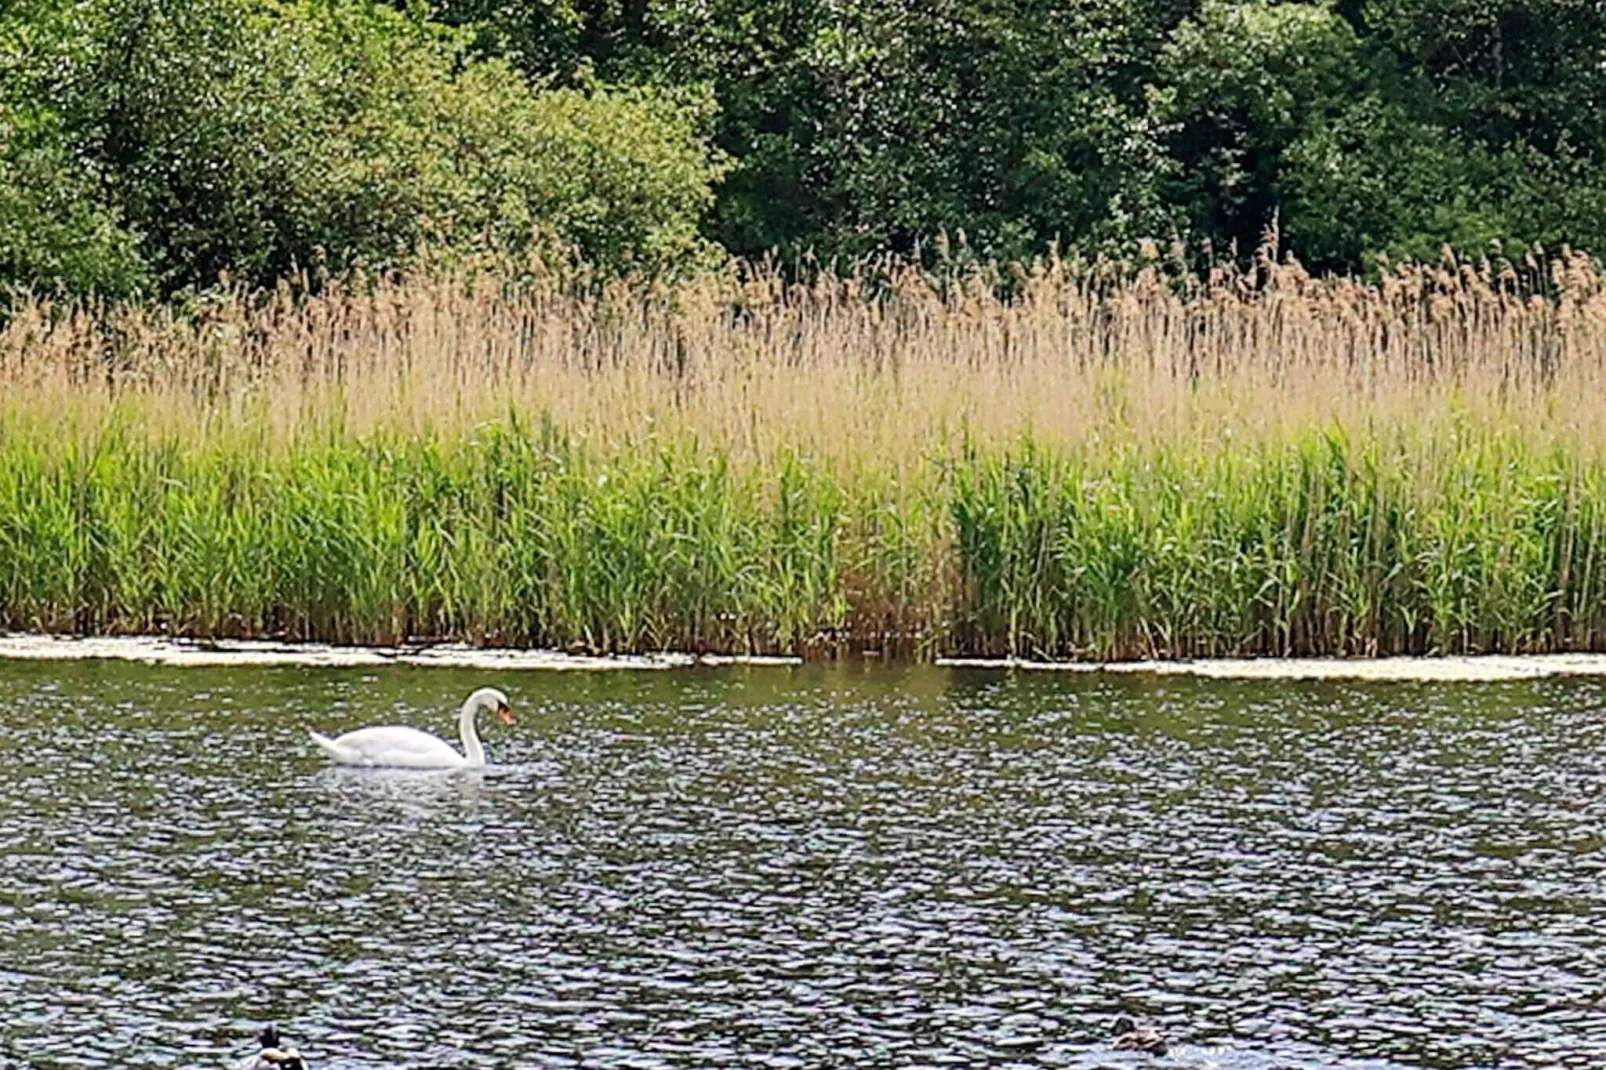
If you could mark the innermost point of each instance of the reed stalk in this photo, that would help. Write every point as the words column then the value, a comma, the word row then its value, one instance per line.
column 1072, row 461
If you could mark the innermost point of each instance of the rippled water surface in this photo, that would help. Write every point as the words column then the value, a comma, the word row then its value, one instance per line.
column 803, row 868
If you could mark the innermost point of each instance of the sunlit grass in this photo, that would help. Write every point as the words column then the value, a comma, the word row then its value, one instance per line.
column 1255, row 463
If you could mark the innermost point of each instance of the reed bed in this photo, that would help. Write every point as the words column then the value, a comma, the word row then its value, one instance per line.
column 1071, row 460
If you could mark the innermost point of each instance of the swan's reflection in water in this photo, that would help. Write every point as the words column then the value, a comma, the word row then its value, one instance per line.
column 741, row 869
column 416, row 791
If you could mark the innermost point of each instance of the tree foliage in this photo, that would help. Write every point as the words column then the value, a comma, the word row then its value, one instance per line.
column 1359, row 127
column 185, row 139
column 154, row 144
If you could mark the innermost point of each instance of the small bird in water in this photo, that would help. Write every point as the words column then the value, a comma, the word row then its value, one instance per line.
column 273, row 1056
column 1130, row 1036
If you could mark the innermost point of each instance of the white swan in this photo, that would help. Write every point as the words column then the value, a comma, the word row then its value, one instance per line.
column 395, row 745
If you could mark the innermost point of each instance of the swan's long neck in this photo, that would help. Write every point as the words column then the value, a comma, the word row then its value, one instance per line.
column 472, row 750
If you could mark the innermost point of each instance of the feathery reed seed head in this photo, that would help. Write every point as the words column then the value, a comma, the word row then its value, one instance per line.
column 1083, row 461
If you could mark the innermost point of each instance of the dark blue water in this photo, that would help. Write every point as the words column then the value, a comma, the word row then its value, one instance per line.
column 803, row 868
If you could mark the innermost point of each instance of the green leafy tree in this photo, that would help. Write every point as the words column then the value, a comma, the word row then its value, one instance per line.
column 858, row 125
column 1237, row 86
column 1503, row 72
column 57, row 234
column 158, row 143
column 255, row 136
column 1018, row 123
column 1522, row 83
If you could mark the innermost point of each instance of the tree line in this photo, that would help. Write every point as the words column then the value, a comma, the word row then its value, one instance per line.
column 154, row 146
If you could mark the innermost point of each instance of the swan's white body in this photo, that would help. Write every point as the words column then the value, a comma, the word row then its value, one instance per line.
column 408, row 748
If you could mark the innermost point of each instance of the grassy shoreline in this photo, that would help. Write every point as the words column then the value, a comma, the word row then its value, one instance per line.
column 1259, row 463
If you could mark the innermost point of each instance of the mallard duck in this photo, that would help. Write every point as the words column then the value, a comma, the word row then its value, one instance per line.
column 273, row 1056
column 1130, row 1036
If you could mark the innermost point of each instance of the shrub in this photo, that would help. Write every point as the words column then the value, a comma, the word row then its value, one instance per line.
column 257, row 136
column 56, row 237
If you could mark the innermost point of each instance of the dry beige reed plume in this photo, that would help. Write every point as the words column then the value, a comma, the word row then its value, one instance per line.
column 875, row 368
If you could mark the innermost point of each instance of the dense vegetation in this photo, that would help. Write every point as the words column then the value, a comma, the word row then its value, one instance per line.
column 1372, row 126
column 148, row 146
column 355, row 320
column 1262, row 463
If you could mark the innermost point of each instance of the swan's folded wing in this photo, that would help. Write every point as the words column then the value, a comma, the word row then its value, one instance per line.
column 395, row 745
column 342, row 754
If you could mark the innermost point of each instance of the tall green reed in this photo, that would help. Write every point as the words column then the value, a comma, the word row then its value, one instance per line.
column 1100, row 464
column 517, row 535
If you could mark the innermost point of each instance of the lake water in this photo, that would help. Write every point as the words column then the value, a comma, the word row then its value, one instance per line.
column 811, row 867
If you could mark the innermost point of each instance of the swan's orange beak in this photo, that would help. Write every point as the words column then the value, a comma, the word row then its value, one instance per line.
column 505, row 713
